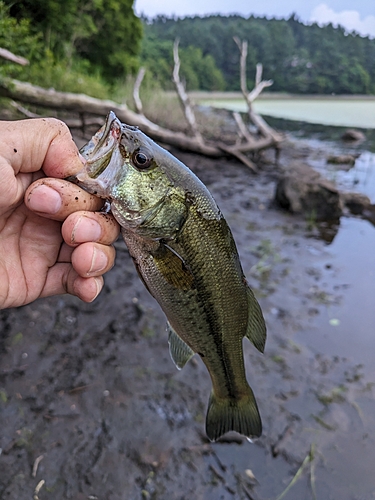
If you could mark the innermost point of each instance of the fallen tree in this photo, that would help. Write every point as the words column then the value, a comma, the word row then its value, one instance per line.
column 88, row 107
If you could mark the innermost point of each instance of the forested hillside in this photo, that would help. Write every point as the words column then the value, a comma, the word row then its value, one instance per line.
column 93, row 47
column 299, row 58
column 72, row 45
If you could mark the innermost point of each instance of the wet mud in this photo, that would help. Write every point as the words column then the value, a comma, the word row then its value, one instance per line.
column 92, row 406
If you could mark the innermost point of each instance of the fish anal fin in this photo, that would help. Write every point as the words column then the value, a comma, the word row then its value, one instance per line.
column 241, row 415
column 256, row 327
column 180, row 352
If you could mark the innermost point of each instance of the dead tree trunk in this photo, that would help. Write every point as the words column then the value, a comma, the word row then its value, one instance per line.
column 265, row 131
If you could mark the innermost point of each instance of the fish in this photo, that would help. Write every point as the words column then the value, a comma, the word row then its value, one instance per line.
column 185, row 254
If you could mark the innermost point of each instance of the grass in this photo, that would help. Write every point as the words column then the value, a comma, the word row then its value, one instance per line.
column 309, row 459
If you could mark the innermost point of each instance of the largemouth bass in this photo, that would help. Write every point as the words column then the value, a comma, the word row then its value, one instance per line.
column 185, row 254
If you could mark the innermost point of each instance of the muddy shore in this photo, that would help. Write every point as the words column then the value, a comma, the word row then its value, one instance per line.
column 92, row 407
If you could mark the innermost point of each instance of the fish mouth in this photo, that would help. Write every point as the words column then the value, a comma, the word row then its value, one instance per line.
column 98, row 151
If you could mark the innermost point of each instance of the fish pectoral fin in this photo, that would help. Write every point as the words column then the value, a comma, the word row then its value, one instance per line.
column 240, row 415
column 180, row 352
column 173, row 267
column 256, row 327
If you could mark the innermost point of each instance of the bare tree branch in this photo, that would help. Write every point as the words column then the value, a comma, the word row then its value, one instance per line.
column 235, row 151
column 6, row 54
column 258, row 74
column 243, row 130
column 137, row 85
column 184, row 98
column 264, row 129
column 23, row 110
column 242, row 47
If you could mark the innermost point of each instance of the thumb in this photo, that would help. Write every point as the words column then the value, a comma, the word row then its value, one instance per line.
column 30, row 145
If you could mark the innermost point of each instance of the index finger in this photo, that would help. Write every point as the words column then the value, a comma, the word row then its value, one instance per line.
column 57, row 198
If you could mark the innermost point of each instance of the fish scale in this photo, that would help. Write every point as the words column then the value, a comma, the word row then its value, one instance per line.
column 185, row 255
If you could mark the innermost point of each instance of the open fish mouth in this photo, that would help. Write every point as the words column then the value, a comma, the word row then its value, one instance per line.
column 98, row 151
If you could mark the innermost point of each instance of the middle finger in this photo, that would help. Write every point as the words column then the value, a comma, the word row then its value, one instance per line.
column 81, row 227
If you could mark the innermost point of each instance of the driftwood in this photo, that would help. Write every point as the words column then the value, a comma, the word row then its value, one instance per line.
column 7, row 54
column 182, row 95
column 137, row 85
column 85, row 105
column 263, row 128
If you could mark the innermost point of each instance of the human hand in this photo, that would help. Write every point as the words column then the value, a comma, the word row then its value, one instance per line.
column 53, row 239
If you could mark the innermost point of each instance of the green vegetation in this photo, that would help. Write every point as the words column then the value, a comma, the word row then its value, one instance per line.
column 74, row 45
column 94, row 47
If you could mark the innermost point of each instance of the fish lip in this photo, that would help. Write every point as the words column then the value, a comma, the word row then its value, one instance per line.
column 107, row 137
column 104, row 140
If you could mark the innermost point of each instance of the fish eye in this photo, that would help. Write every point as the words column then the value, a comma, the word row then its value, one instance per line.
column 141, row 160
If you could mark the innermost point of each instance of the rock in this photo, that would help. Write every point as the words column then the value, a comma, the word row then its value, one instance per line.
column 351, row 135
column 342, row 159
column 356, row 202
column 359, row 204
column 302, row 190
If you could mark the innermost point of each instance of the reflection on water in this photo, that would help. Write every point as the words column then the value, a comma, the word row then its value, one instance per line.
column 340, row 112
column 347, row 329
column 360, row 178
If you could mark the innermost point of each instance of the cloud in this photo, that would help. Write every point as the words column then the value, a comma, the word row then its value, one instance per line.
column 349, row 19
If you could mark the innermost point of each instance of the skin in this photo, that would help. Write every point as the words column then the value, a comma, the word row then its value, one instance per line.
column 53, row 237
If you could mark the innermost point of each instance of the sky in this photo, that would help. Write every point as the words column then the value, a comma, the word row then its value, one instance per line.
column 358, row 15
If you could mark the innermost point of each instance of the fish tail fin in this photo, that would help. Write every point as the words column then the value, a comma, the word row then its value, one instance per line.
column 240, row 415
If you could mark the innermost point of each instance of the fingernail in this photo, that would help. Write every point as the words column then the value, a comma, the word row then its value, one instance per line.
column 86, row 229
column 99, row 262
column 99, row 286
column 44, row 199
column 83, row 160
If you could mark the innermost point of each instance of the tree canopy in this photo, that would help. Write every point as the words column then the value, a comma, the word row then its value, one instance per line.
column 299, row 58
column 104, row 32
column 71, row 42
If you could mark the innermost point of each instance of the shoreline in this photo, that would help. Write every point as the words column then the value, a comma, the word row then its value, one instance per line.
column 207, row 95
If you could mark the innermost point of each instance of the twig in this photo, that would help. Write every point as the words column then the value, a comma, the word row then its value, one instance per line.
column 23, row 110
column 38, row 487
column 217, row 473
column 312, row 471
column 7, row 54
column 137, row 85
column 309, row 457
column 36, row 465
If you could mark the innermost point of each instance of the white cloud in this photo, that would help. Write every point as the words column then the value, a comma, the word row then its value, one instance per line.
column 349, row 19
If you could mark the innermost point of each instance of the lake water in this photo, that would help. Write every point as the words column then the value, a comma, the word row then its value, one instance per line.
column 339, row 111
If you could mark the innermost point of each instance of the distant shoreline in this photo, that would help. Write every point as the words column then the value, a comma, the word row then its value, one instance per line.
column 205, row 95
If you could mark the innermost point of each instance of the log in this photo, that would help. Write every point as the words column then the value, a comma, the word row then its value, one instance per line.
column 82, row 103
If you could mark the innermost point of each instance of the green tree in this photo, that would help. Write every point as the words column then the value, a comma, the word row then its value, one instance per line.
column 105, row 32
column 198, row 70
column 297, row 57
column 19, row 38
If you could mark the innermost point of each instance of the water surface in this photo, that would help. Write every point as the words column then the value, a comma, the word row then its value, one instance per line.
column 336, row 111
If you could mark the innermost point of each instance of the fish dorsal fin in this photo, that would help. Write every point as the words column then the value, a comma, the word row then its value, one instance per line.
column 180, row 352
column 256, row 326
